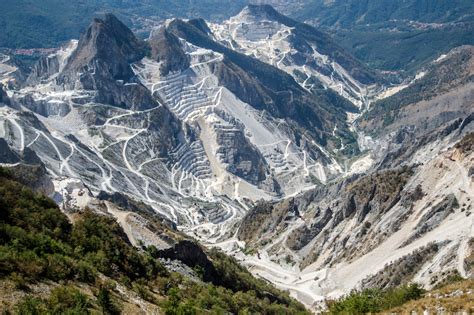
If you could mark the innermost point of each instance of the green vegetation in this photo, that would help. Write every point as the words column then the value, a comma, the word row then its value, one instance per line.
column 450, row 277
column 348, row 13
column 406, row 49
column 47, row 23
column 375, row 300
column 104, row 299
column 39, row 245
column 453, row 298
column 394, row 34
column 234, row 275
column 63, row 300
column 190, row 299
column 378, row 32
column 38, row 242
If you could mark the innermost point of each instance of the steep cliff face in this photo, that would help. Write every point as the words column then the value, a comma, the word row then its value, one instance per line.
column 7, row 155
column 46, row 67
column 107, row 46
column 27, row 168
column 101, row 63
column 3, row 96
column 166, row 49
column 363, row 203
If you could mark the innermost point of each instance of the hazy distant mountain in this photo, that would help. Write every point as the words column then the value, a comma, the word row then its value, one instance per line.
column 387, row 35
column 347, row 13
column 50, row 22
column 390, row 34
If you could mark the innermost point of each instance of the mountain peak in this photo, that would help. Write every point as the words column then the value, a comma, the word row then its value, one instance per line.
column 112, row 43
column 261, row 9
column 102, row 62
column 166, row 48
column 264, row 12
column 110, row 33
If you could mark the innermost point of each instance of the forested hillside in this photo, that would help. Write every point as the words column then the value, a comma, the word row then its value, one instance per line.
column 50, row 266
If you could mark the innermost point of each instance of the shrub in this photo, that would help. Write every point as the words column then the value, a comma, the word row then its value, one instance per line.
column 68, row 300
column 142, row 290
column 30, row 305
column 19, row 281
column 104, row 300
column 375, row 300
column 85, row 272
column 63, row 300
column 60, row 267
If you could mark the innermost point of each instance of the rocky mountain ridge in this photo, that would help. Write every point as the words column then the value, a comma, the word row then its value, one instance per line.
column 179, row 121
column 314, row 60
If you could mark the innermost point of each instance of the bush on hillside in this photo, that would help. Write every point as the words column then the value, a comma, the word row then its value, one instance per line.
column 375, row 300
